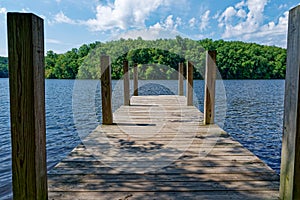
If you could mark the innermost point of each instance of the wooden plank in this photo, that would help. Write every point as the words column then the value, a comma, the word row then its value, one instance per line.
column 171, row 187
column 27, row 105
column 208, row 151
column 175, row 163
column 170, row 166
column 290, row 157
column 119, row 169
column 106, row 90
column 203, row 195
column 162, row 149
column 189, row 83
column 185, row 158
column 210, row 82
column 195, row 157
column 180, row 79
column 93, row 178
column 194, row 144
column 135, row 80
column 126, row 83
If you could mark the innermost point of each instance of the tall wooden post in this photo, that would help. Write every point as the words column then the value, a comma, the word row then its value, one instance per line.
column 180, row 79
column 135, row 80
column 106, row 91
column 126, row 83
column 27, row 105
column 189, row 83
column 210, row 85
column 290, row 156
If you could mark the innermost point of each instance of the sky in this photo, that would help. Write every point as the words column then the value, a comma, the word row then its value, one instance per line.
column 71, row 23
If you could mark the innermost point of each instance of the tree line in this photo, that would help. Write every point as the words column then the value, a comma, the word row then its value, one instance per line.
column 158, row 59
column 3, row 67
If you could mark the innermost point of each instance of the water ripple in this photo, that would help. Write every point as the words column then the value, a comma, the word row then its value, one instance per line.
column 254, row 116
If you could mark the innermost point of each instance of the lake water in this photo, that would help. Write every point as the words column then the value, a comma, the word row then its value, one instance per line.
column 251, row 111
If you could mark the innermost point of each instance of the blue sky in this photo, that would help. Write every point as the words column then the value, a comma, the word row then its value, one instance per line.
column 71, row 23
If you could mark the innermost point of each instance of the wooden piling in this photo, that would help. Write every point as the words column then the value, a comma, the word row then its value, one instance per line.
column 210, row 84
column 290, row 156
column 135, row 80
column 126, row 83
column 180, row 79
column 189, row 83
column 195, row 162
column 27, row 105
column 106, row 91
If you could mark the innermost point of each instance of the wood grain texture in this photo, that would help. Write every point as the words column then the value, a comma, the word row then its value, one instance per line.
column 106, row 90
column 159, row 148
column 210, row 85
column 27, row 105
column 290, row 157
column 189, row 83
column 180, row 79
column 135, row 80
column 126, row 83
column 224, row 195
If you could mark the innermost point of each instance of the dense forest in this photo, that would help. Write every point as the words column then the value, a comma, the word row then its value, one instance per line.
column 3, row 67
column 158, row 59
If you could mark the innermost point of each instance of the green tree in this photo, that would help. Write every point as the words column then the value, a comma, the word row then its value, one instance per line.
column 3, row 67
column 235, row 59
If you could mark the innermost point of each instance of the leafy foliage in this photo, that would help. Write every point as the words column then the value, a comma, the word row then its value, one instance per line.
column 158, row 59
column 3, row 67
column 239, row 60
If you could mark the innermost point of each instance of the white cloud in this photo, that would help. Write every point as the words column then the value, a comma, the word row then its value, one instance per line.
column 217, row 15
column 199, row 36
column 153, row 32
column 252, row 20
column 256, row 9
column 123, row 14
column 227, row 14
column 192, row 22
column 3, row 11
column 240, row 5
column 282, row 6
column 62, row 18
column 53, row 41
column 165, row 29
column 169, row 23
column 272, row 31
column 178, row 22
column 250, row 25
column 204, row 21
column 241, row 13
column 156, row 26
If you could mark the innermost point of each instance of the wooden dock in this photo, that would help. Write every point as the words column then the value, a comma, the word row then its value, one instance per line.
column 158, row 148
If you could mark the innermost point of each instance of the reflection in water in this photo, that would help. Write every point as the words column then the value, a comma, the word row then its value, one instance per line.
column 254, row 115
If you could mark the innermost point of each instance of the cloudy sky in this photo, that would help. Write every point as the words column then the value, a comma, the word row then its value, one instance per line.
column 71, row 23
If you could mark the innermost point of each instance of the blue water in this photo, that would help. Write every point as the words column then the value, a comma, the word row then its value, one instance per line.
column 249, row 110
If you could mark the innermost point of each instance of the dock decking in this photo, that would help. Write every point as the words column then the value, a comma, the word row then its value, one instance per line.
column 159, row 148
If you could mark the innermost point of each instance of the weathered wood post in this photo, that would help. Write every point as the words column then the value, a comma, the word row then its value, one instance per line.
column 126, row 83
column 189, row 83
column 180, row 79
column 210, row 85
column 27, row 105
column 290, row 156
column 106, row 90
column 135, row 80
